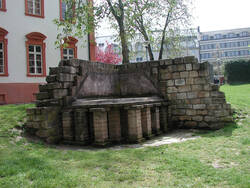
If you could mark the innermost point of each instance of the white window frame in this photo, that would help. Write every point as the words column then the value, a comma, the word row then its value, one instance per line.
column 2, row 50
column 35, row 53
column 34, row 7
column 67, row 55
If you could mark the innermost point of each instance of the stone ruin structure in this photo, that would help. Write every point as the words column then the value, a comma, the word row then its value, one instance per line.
column 95, row 103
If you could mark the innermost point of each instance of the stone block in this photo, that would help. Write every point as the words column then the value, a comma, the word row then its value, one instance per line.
column 203, row 73
column 196, row 66
column 134, row 125
column 199, row 106
column 207, row 87
column 42, row 88
column 184, row 74
column 197, row 87
column 63, row 77
column 164, row 118
column 59, row 93
column 197, row 118
column 181, row 67
column 176, row 75
column 210, row 119
column 201, row 112
column 114, row 125
column 189, row 67
column 195, row 101
column 218, row 100
column 200, row 81
column 206, row 100
column 172, row 68
column 184, row 118
column 193, row 74
column 184, row 88
column 181, row 95
column 217, row 94
column 179, row 60
column 155, row 70
column 100, row 126
column 172, row 90
column 202, row 124
column 146, row 122
column 190, row 124
column 42, row 95
column 191, row 112
column 155, row 120
column 183, row 106
column 52, row 78
column 179, row 112
column 180, row 82
column 192, row 95
column 203, row 94
column 170, row 83
column 189, row 81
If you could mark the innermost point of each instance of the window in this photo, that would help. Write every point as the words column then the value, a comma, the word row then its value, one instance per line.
column 35, row 52
column 34, row 8
column 244, row 34
column 218, row 36
column 3, row 53
column 101, row 45
column 69, row 51
column 205, row 37
column 138, row 59
column 3, row 5
column 64, row 8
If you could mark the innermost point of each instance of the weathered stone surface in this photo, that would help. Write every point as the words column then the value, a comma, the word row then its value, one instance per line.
column 189, row 67
column 199, row 106
column 184, row 74
column 180, row 82
column 192, row 95
column 191, row 101
column 181, row 95
column 193, row 74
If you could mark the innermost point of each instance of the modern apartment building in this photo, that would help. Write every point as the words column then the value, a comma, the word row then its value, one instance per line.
column 225, row 45
column 27, row 50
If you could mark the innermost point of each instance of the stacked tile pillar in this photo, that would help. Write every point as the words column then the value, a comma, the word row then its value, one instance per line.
column 81, row 125
column 67, row 125
column 114, row 125
column 44, row 122
column 164, row 118
column 134, row 123
column 146, row 121
column 155, row 114
column 100, row 125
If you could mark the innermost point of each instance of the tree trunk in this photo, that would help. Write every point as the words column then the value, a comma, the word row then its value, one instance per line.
column 149, row 48
column 163, row 35
column 125, row 51
column 150, row 52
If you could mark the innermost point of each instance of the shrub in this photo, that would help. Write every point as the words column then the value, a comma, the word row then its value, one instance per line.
column 238, row 71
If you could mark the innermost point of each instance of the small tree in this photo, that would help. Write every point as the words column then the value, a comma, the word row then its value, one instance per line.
column 108, row 55
column 151, row 17
column 127, row 17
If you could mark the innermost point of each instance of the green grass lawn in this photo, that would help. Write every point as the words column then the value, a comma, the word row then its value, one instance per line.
column 216, row 159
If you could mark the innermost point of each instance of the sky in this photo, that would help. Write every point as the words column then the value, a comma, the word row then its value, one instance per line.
column 213, row 15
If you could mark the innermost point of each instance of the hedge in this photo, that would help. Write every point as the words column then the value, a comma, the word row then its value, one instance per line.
column 238, row 71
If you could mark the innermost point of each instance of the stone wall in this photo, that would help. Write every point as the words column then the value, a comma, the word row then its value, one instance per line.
column 191, row 101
